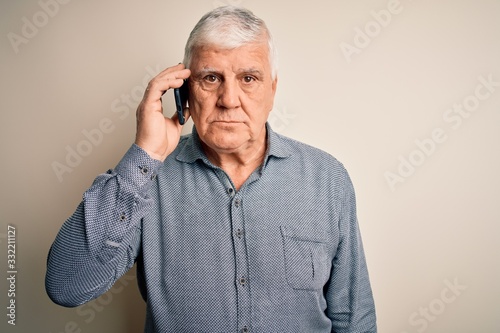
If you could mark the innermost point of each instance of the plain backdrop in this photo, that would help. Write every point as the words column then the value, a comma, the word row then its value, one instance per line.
column 405, row 93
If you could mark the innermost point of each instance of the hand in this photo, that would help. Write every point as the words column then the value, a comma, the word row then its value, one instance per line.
column 157, row 134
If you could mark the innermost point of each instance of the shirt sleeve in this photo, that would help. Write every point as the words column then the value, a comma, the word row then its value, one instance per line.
column 100, row 241
column 349, row 296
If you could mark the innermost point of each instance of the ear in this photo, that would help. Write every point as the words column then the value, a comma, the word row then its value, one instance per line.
column 274, row 85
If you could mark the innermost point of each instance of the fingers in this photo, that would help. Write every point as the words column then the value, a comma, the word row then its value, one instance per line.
column 172, row 77
column 157, row 134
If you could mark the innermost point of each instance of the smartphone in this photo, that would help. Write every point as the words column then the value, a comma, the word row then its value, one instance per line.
column 181, row 96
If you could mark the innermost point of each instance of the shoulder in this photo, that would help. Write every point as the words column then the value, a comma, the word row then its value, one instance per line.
column 310, row 155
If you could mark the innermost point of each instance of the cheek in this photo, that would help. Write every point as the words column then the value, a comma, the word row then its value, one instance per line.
column 266, row 103
column 200, row 102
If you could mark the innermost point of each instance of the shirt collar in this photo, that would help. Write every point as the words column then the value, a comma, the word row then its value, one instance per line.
column 193, row 151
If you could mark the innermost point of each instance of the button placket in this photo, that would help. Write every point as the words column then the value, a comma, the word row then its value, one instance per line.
column 239, row 243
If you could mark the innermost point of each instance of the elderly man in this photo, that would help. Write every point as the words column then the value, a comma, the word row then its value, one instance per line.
column 234, row 228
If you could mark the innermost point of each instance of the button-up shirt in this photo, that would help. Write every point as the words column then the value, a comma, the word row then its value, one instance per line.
column 281, row 254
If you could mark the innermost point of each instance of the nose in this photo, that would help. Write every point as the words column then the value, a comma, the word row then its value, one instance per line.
column 229, row 95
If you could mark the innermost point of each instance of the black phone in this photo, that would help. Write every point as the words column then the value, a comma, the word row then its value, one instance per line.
column 181, row 96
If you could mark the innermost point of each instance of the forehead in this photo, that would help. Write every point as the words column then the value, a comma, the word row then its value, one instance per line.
column 252, row 55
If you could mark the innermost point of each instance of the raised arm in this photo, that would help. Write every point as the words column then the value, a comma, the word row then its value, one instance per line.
column 101, row 240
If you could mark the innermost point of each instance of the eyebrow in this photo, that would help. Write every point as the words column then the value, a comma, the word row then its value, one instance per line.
column 208, row 70
column 250, row 70
column 205, row 71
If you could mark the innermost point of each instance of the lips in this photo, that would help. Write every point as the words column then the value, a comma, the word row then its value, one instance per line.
column 227, row 121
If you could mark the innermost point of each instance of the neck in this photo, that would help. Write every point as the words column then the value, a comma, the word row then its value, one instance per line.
column 239, row 165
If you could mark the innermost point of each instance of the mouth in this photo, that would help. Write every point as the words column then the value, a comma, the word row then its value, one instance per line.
column 227, row 121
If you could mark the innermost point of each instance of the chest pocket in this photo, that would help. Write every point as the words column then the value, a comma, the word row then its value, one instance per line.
column 306, row 260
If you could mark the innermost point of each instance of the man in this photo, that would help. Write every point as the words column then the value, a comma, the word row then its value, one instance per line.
column 234, row 228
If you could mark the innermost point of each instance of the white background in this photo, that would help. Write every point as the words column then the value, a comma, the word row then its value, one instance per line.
column 431, row 238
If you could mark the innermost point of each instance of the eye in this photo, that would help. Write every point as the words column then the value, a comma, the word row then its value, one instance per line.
column 248, row 79
column 211, row 78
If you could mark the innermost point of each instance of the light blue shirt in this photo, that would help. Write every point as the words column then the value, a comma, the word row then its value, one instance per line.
column 282, row 254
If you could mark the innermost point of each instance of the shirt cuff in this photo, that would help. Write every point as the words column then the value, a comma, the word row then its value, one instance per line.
column 137, row 168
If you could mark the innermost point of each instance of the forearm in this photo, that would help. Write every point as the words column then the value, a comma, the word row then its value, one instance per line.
column 100, row 241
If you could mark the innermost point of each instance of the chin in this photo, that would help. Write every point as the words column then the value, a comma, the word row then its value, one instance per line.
column 226, row 142
column 229, row 144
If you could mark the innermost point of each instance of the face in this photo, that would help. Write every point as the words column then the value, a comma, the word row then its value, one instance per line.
column 231, row 95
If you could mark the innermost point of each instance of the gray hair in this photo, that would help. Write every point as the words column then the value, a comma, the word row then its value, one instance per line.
column 230, row 27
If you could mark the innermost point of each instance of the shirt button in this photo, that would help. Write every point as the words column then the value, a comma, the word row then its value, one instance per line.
column 239, row 233
column 243, row 281
column 144, row 170
column 230, row 190
column 237, row 203
column 123, row 217
column 245, row 329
